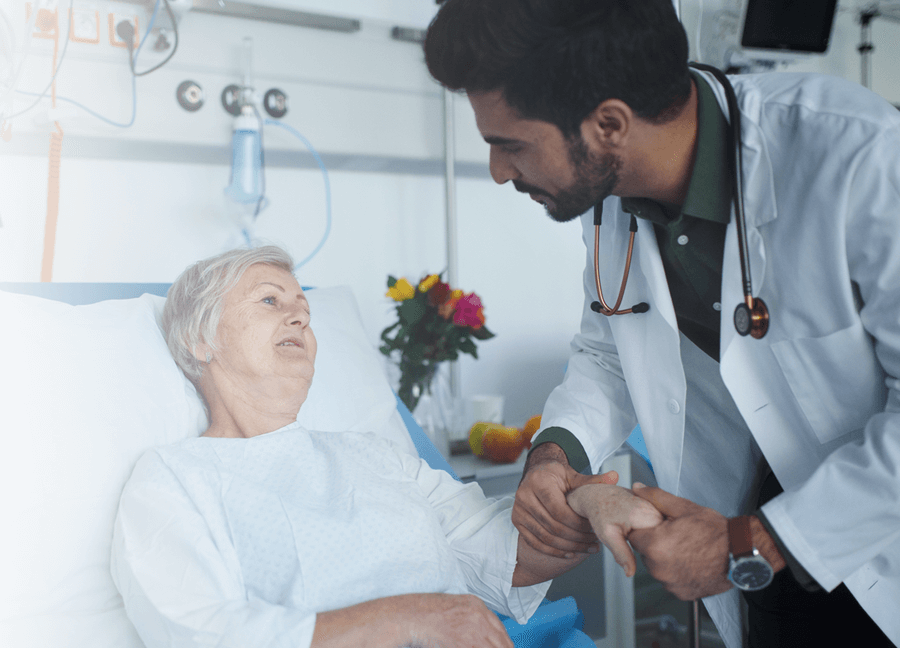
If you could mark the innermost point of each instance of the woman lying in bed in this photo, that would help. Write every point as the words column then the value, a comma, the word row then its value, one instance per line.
column 263, row 533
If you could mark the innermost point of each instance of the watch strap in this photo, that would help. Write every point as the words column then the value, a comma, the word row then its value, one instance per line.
column 740, row 539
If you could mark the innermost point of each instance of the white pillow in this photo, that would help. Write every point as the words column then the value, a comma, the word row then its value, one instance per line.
column 85, row 391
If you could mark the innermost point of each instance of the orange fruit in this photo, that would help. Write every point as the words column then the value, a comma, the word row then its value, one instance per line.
column 502, row 444
column 530, row 428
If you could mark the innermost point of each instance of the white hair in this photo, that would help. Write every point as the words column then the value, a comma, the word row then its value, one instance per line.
column 194, row 303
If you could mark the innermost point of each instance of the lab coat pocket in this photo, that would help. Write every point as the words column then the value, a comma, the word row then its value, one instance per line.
column 836, row 380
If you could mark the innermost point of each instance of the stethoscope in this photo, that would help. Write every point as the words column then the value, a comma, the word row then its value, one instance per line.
column 751, row 317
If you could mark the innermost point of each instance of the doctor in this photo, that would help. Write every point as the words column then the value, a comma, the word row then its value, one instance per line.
column 777, row 453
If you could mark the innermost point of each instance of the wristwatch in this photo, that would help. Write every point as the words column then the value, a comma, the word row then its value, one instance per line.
column 747, row 569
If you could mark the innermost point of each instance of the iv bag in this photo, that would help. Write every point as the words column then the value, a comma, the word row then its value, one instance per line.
column 245, row 186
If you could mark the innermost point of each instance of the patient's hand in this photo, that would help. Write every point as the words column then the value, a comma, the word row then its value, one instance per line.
column 613, row 512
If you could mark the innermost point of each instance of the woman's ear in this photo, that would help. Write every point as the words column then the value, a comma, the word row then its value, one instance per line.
column 608, row 125
column 202, row 353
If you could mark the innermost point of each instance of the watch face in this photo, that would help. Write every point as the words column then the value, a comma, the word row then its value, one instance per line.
column 751, row 573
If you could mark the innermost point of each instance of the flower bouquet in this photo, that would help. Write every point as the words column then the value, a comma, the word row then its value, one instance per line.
column 434, row 323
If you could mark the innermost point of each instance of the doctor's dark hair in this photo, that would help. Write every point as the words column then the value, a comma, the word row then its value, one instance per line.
column 557, row 60
column 194, row 302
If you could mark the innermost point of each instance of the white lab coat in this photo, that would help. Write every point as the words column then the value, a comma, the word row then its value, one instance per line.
column 820, row 393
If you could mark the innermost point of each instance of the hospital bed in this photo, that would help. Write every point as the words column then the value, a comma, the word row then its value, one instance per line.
column 88, row 385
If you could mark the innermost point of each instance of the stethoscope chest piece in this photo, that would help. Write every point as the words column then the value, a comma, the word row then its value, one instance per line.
column 752, row 320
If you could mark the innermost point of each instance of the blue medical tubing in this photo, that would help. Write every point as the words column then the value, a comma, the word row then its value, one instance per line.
column 147, row 33
column 82, row 106
column 97, row 115
column 318, row 159
column 62, row 57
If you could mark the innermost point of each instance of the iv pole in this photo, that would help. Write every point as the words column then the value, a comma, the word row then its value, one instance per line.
column 694, row 621
column 866, row 46
column 450, row 221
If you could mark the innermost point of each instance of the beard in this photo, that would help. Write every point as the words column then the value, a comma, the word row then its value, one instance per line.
column 596, row 175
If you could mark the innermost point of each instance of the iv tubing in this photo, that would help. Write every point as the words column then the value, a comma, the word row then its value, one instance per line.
column 57, row 65
column 97, row 115
column 318, row 159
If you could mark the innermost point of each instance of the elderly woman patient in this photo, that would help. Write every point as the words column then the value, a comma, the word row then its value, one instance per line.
column 262, row 533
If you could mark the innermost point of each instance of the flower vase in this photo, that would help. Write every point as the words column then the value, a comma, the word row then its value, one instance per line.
column 437, row 411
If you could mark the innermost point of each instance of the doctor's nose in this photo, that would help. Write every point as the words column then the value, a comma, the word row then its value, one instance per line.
column 502, row 171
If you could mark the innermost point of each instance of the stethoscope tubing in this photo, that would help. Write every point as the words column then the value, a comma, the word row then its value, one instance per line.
column 604, row 307
column 751, row 317
column 737, row 165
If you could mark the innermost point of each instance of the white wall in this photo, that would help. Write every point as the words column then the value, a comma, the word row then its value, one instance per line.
column 139, row 204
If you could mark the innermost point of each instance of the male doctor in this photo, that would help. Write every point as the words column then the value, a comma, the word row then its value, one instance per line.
column 777, row 455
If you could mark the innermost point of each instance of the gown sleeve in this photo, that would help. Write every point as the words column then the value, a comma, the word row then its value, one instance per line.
column 180, row 589
column 482, row 536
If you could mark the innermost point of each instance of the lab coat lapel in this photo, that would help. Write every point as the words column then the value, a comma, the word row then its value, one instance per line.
column 748, row 366
column 759, row 209
column 649, row 347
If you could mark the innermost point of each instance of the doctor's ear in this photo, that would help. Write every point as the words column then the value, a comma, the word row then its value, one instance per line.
column 608, row 125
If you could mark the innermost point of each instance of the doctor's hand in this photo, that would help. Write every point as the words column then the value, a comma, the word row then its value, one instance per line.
column 688, row 551
column 614, row 512
column 541, row 514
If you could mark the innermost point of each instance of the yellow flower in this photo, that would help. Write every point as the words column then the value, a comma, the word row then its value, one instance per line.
column 401, row 291
column 426, row 283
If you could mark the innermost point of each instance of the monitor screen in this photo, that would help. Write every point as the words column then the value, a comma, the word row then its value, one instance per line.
column 788, row 25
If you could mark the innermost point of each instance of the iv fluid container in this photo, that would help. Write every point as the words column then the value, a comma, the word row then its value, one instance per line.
column 245, row 186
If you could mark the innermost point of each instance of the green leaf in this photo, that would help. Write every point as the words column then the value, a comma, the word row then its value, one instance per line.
column 392, row 281
column 467, row 346
column 482, row 334
column 411, row 311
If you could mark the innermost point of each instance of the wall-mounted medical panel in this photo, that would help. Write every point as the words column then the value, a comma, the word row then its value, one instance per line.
column 359, row 95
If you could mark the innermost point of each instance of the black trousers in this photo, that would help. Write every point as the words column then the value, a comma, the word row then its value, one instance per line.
column 784, row 615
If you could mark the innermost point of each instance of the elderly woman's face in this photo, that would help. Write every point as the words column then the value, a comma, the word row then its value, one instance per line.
column 264, row 338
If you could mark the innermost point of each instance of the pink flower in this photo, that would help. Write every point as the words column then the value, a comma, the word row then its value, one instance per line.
column 469, row 312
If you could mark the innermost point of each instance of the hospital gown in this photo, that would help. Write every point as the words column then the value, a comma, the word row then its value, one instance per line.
column 240, row 542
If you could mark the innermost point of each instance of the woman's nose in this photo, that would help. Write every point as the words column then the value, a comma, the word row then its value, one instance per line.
column 298, row 317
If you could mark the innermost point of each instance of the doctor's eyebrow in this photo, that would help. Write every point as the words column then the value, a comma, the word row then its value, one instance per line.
column 502, row 141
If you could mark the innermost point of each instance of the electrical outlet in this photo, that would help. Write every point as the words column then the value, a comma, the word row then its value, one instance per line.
column 85, row 26
column 115, row 19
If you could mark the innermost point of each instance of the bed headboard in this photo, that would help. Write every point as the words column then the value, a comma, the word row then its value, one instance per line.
column 79, row 294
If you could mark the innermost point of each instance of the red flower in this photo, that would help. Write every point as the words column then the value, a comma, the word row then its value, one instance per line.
column 438, row 294
column 446, row 309
column 469, row 312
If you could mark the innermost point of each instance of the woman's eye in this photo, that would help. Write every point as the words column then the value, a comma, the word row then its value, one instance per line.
column 269, row 300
